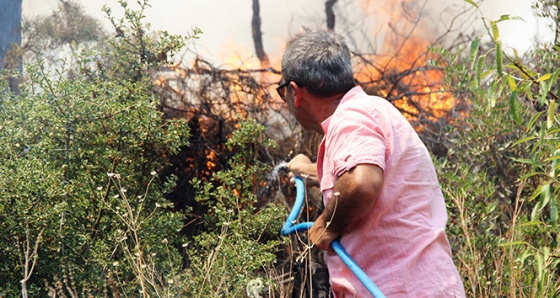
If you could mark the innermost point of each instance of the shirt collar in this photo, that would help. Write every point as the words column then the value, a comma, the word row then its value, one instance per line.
column 345, row 98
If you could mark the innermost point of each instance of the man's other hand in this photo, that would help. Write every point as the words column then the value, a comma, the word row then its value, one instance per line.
column 303, row 167
column 320, row 235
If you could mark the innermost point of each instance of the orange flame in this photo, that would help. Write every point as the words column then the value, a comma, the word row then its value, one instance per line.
column 406, row 74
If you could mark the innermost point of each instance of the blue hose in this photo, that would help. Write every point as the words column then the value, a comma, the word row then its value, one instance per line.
column 289, row 228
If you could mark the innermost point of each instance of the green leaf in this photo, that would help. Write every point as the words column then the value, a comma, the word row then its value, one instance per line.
column 524, row 255
column 511, row 82
column 478, row 70
column 529, row 175
column 553, row 132
column 540, row 266
column 543, row 92
column 524, row 140
column 507, row 17
column 512, row 243
column 471, row 2
column 526, row 161
column 495, row 31
column 540, row 190
column 555, row 75
column 475, row 45
column 545, row 77
column 550, row 114
column 499, row 58
column 525, row 87
column 531, row 223
column 516, row 55
column 542, row 135
column 514, row 107
column 534, row 120
column 544, row 192
column 553, row 158
column 486, row 73
column 554, row 212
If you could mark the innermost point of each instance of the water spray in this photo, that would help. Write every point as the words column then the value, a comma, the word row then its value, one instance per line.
column 277, row 168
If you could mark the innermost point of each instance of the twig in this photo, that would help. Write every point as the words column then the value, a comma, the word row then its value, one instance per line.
column 30, row 258
column 533, row 80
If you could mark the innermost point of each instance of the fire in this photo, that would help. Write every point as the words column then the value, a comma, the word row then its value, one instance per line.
column 240, row 58
column 415, row 87
column 405, row 72
column 211, row 159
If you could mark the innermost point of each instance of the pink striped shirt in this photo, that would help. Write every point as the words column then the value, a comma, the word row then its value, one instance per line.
column 401, row 243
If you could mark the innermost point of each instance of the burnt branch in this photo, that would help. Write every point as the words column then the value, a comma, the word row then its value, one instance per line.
column 257, row 35
column 330, row 13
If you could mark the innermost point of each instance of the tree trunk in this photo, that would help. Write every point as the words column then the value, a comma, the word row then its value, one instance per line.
column 257, row 35
column 557, row 20
column 330, row 13
column 10, row 37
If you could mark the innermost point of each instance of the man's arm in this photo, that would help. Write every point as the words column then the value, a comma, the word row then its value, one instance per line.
column 353, row 197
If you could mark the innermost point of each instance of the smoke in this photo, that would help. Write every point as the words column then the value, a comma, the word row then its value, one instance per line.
column 384, row 22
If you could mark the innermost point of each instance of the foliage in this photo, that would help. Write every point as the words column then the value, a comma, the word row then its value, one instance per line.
column 501, row 175
column 549, row 9
column 82, row 206
column 83, row 177
column 83, row 153
column 240, row 243
column 67, row 27
column 145, row 53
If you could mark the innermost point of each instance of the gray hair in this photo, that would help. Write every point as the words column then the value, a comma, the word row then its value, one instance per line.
column 320, row 61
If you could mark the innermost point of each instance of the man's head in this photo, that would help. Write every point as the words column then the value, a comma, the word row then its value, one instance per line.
column 318, row 60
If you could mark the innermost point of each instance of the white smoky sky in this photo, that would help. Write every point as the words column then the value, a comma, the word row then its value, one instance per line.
column 226, row 24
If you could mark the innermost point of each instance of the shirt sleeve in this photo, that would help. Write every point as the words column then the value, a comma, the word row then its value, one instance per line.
column 356, row 136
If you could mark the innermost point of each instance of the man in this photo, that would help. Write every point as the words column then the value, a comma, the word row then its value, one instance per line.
column 380, row 189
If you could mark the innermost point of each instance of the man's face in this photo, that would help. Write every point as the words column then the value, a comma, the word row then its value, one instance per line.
column 287, row 91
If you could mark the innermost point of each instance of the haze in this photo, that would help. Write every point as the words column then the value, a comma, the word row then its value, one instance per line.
column 227, row 24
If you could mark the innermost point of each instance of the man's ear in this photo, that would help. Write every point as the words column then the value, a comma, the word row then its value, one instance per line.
column 298, row 93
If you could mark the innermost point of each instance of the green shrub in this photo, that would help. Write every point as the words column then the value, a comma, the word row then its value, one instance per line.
column 241, row 240
column 501, row 175
column 82, row 206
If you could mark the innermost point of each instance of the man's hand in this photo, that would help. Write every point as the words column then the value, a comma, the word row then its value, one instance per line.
column 302, row 166
column 320, row 234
